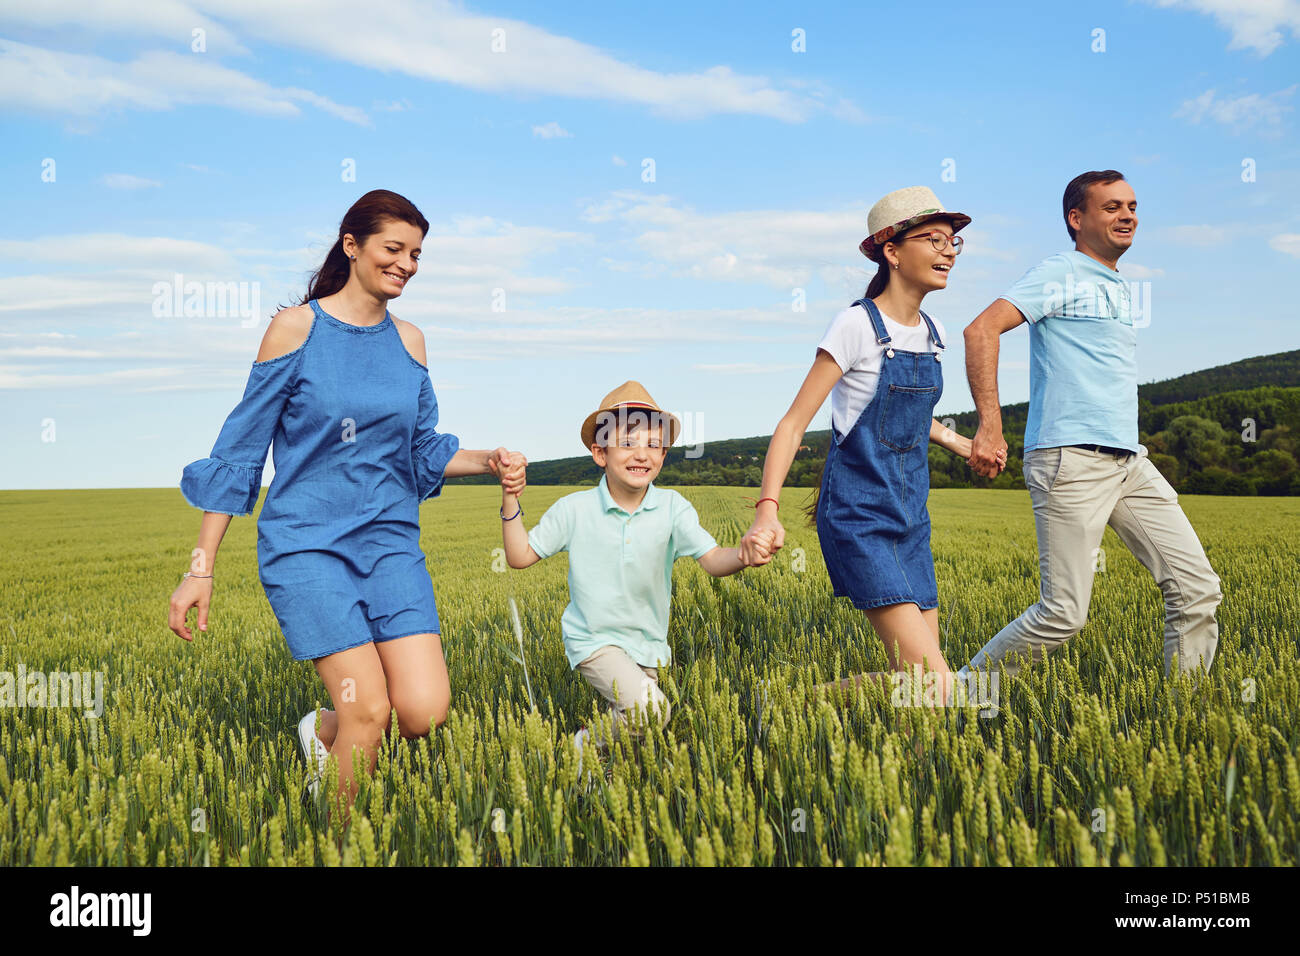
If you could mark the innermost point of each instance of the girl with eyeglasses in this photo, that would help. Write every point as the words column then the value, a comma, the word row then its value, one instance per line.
column 880, row 363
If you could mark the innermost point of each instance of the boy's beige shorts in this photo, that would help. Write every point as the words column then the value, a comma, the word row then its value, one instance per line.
column 624, row 683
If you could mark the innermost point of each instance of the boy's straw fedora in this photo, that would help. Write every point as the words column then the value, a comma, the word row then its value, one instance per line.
column 900, row 211
column 625, row 399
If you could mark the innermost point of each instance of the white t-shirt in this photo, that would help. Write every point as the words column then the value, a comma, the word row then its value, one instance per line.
column 851, row 341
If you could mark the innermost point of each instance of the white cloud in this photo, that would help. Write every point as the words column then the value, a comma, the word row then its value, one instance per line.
column 619, row 161
column 164, row 19
column 560, row 331
column 127, row 181
column 779, row 248
column 746, row 368
column 441, row 41
column 1134, row 271
column 1197, row 235
column 1239, row 112
column 51, row 81
column 163, row 254
column 12, row 377
column 551, row 131
column 1259, row 25
column 1287, row 242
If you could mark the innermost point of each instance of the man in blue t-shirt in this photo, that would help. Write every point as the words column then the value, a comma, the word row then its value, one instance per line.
column 1083, row 465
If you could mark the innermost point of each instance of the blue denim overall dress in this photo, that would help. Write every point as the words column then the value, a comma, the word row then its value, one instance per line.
column 871, row 512
column 352, row 415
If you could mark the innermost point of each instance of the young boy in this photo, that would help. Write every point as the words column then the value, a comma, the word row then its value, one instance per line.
column 622, row 537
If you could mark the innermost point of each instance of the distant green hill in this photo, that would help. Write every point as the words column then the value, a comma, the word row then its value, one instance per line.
column 1232, row 429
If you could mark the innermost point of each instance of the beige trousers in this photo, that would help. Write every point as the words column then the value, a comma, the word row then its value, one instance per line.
column 625, row 684
column 1076, row 493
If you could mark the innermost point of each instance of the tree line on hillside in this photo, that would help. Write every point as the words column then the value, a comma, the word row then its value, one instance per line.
column 1231, row 430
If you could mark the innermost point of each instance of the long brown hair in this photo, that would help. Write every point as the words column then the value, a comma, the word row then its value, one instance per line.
column 365, row 217
column 876, row 286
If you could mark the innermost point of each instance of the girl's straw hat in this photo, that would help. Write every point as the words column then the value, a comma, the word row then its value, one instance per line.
column 619, row 405
column 900, row 211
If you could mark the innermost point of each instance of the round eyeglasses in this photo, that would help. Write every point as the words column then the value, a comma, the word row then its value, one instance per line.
column 939, row 240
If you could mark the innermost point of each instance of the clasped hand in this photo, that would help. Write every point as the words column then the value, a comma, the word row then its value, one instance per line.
column 763, row 539
column 510, row 468
column 988, row 456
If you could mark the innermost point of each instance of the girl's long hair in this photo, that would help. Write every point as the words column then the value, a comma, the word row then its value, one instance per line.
column 876, row 286
column 366, row 217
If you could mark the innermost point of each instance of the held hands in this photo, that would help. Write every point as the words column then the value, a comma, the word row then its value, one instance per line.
column 988, row 455
column 763, row 539
column 510, row 468
column 761, row 551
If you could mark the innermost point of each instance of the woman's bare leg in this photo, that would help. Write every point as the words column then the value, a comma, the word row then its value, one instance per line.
column 329, row 727
column 418, row 686
column 355, row 680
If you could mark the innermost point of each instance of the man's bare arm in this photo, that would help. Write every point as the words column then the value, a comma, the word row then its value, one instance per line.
column 982, row 346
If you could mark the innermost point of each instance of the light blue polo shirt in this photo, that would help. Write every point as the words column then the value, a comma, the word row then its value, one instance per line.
column 620, row 568
column 1082, row 353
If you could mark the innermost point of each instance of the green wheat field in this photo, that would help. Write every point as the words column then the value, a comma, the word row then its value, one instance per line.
column 1093, row 759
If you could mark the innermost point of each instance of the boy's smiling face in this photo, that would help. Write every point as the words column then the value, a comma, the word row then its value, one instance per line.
column 635, row 459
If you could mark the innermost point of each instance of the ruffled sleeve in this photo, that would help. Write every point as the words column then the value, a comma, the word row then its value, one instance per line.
column 229, row 481
column 430, row 449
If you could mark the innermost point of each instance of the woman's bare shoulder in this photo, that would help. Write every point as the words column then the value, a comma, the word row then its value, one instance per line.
column 289, row 328
column 412, row 338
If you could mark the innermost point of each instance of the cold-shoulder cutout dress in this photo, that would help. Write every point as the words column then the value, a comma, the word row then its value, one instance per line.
column 351, row 419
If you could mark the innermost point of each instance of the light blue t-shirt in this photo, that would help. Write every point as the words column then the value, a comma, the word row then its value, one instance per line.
column 1082, row 353
column 620, row 568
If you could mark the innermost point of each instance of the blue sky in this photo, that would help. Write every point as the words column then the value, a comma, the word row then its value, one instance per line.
column 224, row 164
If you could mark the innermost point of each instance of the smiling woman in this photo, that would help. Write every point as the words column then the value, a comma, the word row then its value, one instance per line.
column 342, row 388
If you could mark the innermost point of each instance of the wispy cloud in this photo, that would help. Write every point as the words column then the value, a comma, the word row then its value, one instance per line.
column 127, row 181
column 551, row 131
column 52, row 81
column 1287, row 242
column 747, row 368
column 1259, row 25
column 781, row 248
column 1239, row 112
column 441, row 41
column 1196, row 235
column 168, row 20
column 1133, row 270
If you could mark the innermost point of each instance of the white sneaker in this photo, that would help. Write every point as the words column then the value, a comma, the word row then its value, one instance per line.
column 583, row 736
column 312, row 747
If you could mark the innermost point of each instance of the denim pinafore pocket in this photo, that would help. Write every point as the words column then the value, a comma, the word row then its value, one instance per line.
column 905, row 416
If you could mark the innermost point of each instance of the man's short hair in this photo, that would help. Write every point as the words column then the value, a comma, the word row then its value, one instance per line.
column 1076, row 194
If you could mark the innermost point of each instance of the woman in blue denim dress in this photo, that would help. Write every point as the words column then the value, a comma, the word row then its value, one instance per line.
column 341, row 390
column 881, row 363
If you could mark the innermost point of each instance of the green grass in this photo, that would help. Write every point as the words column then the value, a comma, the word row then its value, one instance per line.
column 1094, row 759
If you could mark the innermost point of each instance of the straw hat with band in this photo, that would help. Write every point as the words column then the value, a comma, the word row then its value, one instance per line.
column 900, row 211
column 620, row 404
